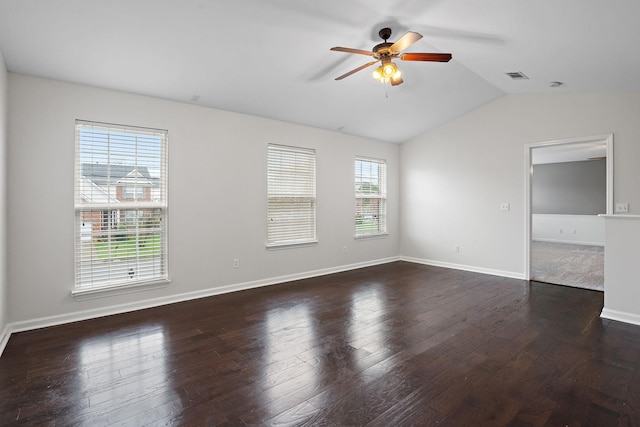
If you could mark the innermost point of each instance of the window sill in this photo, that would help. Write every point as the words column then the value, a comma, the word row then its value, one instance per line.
column 370, row 236
column 108, row 291
column 291, row 245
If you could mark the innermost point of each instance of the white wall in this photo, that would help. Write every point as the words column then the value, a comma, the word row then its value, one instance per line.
column 3, row 204
column 621, row 282
column 575, row 229
column 452, row 182
column 217, row 196
column 454, row 178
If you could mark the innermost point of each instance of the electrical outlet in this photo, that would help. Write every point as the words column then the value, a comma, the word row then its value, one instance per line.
column 236, row 263
column 344, row 250
column 505, row 206
column 622, row 207
column 456, row 248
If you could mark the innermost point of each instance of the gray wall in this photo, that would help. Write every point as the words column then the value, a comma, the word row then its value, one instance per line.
column 572, row 188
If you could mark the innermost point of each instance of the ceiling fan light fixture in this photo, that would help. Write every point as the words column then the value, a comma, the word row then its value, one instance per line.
column 395, row 81
column 377, row 73
column 387, row 72
column 389, row 69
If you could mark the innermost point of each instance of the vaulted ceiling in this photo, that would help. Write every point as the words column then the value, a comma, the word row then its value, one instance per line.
column 271, row 58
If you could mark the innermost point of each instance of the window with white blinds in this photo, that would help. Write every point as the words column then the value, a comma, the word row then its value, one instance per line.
column 291, row 190
column 120, row 206
column 371, row 197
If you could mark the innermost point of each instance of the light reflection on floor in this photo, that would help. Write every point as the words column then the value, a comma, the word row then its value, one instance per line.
column 367, row 304
column 293, row 329
column 127, row 370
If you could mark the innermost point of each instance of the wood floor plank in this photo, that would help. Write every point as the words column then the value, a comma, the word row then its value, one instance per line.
column 396, row 344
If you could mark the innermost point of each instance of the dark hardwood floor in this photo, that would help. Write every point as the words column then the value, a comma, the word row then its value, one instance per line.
column 391, row 345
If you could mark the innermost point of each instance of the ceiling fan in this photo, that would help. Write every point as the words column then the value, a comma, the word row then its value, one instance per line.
column 384, row 52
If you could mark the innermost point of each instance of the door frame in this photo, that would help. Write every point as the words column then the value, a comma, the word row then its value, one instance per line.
column 607, row 138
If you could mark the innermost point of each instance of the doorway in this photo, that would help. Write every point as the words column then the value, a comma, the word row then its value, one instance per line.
column 569, row 183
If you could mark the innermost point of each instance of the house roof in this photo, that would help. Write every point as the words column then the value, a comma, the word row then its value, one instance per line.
column 271, row 58
column 91, row 193
column 102, row 174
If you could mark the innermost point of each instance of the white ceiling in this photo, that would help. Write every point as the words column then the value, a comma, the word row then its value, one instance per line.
column 271, row 58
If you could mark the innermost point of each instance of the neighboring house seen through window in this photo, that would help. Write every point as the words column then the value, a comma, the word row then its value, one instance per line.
column 291, row 191
column 120, row 206
column 371, row 197
column 135, row 193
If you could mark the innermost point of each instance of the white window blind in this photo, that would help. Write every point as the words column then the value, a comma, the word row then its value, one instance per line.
column 371, row 197
column 120, row 206
column 291, row 195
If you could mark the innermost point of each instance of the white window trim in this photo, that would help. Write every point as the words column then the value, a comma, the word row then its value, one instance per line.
column 382, row 195
column 121, row 289
column 121, row 286
column 275, row 246
column 370, row 236
column 307, row 192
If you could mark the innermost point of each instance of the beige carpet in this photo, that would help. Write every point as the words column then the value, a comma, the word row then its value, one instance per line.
column 570, row 265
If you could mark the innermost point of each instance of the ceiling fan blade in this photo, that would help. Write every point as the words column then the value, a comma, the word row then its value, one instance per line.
column 432, row 57
column 405, row 41
column 356, row 70
column 350, row 50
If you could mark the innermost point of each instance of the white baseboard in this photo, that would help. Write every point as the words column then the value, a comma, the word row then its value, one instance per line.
column 501, row 273
column 620, row 316
column 44, row 322
column 570, row 242
column 4, row 338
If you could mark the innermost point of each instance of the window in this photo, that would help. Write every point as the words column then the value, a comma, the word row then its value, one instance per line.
column 291, row 191
column 120, row 206
column 136, row 193
column 109, row 220
column 371, row 197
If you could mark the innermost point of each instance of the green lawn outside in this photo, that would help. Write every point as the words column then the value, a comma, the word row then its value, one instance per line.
column 147, row 246
column 364, row 227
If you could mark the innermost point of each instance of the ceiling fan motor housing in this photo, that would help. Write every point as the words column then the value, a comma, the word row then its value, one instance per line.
column 385, row 33
column 382, row 49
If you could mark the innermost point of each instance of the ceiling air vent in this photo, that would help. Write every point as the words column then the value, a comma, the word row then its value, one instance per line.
column 517, row 75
